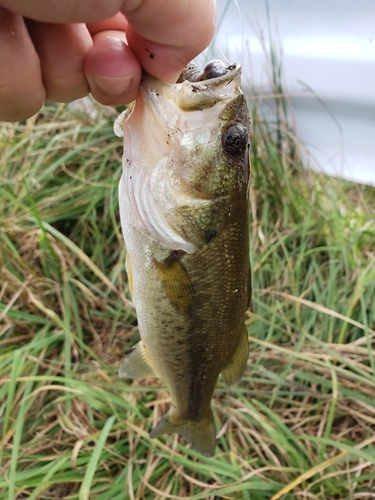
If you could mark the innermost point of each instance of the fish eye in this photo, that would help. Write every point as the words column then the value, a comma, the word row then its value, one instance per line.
column 235, row 140
column 213, row 69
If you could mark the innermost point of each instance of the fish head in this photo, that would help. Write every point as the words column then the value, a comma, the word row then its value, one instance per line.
column 186, row 162
column 215, row 134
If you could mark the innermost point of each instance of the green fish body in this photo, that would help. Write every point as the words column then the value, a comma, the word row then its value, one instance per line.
column 185, row 219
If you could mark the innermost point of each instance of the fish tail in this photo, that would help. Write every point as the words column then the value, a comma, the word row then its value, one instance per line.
column 201, row 435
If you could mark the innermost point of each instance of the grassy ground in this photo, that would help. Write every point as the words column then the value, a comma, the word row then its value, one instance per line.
column 301, row 423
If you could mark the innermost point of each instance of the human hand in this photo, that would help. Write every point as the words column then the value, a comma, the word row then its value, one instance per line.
column 61, row 51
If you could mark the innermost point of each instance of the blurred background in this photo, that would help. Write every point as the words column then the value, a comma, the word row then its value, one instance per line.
column 326, row 56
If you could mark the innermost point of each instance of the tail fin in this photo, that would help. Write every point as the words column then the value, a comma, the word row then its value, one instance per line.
column 201, row 435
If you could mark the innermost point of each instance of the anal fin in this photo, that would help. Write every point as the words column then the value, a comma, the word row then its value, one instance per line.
column 233, row 372
column 136, row 364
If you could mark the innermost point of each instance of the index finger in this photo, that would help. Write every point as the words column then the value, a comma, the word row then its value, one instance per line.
column 167, row 34
column 66, row 11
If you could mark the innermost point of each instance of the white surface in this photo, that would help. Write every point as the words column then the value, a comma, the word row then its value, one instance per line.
column 327, row 52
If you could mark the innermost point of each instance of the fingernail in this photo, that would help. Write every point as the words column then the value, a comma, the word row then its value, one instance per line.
column 113, row 85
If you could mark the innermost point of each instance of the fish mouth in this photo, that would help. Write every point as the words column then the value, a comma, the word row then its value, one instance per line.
column 196, row 89
column 203, row 78
column 203, row 94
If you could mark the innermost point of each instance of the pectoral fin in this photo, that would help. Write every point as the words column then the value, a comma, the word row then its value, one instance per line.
column 233, row 372
column 176, row 283
column 137, row 364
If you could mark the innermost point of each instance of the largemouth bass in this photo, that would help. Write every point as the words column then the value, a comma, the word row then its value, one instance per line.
column 184, row 213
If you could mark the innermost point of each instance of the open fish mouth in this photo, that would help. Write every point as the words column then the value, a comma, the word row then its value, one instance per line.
column 203, row 89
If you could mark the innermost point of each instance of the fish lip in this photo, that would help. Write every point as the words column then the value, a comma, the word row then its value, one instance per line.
column 234, row 71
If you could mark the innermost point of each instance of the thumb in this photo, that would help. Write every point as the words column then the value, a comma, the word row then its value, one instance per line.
column 112, row 70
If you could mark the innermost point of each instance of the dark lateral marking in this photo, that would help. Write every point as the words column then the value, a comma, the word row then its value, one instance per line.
column 150, row 54
column 210, row 235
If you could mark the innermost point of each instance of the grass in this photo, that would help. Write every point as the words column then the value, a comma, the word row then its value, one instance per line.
column 300, row 424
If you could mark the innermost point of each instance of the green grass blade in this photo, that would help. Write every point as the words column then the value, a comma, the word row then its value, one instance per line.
column 84, row 493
